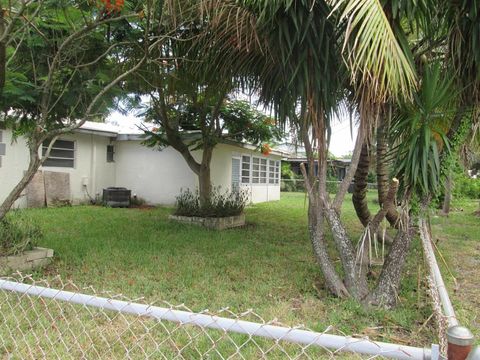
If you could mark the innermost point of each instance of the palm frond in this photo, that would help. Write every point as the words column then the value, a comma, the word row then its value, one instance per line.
column 373, row 53
column 419, row 131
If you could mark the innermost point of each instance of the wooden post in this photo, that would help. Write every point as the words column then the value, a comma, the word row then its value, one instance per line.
column 460, row 341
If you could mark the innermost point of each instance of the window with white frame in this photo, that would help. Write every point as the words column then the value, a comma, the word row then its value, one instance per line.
column 246, row 163
column 263, row 171
column 255, row 170
column 277, row 172
column 273, row 171
column 258, row 170
column 62, row 153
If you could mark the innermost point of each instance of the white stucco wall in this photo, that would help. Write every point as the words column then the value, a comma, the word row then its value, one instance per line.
column 156, row 176
column 91, row 167
column 159, row 175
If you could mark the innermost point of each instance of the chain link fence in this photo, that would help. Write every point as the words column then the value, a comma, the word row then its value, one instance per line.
column 57, row 320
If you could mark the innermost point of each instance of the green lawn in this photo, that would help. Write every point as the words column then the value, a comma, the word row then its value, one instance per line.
column 267, row 266
column 457, row 238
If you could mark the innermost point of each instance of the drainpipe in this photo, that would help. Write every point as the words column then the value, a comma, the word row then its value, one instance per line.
column 93, row 167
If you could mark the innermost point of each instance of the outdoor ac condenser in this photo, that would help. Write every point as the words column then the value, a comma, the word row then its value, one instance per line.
column 116, row 197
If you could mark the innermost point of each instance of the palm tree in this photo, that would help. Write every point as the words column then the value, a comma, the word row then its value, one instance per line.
column 288, row 52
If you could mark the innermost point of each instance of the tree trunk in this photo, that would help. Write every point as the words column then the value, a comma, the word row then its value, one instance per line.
column 342, row 190
column 319, row 245
column 204, row 179
column 386, row 292
column 33, row 167
column 317, row 191
column 355, row 278
column 448, row 196
column 359, row 196
column 383, row 171
column 2, row 50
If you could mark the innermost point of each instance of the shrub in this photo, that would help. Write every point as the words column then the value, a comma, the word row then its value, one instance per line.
column 332, row 187
column 222, row 204
column 287, row 172
column 466, row 187
column 18, row 233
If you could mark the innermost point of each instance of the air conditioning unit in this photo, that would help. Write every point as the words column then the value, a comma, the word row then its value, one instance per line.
column 116, row 197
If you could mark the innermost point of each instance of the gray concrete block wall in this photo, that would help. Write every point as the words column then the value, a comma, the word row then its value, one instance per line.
column 212, row 223
column 29, row 260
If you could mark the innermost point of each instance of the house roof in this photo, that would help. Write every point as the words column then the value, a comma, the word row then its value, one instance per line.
column 112, row 128
column 304, row 159
column 136, row 133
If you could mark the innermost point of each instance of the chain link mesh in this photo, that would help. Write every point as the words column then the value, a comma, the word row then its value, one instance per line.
column 37, row 326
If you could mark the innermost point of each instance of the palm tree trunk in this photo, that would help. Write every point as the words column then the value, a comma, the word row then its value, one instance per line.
column 359, row 196
column 338, row 201
column 319, row 245
column 386, row 292
column 383, row 170
column 355, row 278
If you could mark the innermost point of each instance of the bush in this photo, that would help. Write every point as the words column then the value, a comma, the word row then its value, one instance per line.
column 332, row 187
column 466, row 187
column 228, row 203
column 18, row 233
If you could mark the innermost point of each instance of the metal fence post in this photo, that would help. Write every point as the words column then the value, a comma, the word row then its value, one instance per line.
column 460, row 342
column 474, row 354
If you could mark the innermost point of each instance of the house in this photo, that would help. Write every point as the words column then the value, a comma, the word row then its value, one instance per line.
column 297, row 155
column 98, row 156
column 336, row 167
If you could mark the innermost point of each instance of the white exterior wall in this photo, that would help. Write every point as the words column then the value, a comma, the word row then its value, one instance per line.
column 90, row 167
column 159, row 175
column 14, row 163
column 156, row 176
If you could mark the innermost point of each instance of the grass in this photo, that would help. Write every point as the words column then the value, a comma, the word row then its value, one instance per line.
column 457, row 238
column 267, row 266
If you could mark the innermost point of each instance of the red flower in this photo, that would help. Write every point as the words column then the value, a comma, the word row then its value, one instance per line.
column 266, row 149
column 109, row 7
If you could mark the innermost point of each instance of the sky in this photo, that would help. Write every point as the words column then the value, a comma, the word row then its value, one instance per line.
column 341, row 143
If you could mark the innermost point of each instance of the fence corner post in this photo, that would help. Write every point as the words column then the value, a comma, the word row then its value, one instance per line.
column 474, row 354
column 460, row 341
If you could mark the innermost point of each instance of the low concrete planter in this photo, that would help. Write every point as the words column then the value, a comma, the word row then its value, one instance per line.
column 220, row 223
column 31, row 259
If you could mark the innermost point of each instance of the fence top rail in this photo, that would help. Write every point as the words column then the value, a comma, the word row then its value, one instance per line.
column 436, row 275
column 297, row 335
